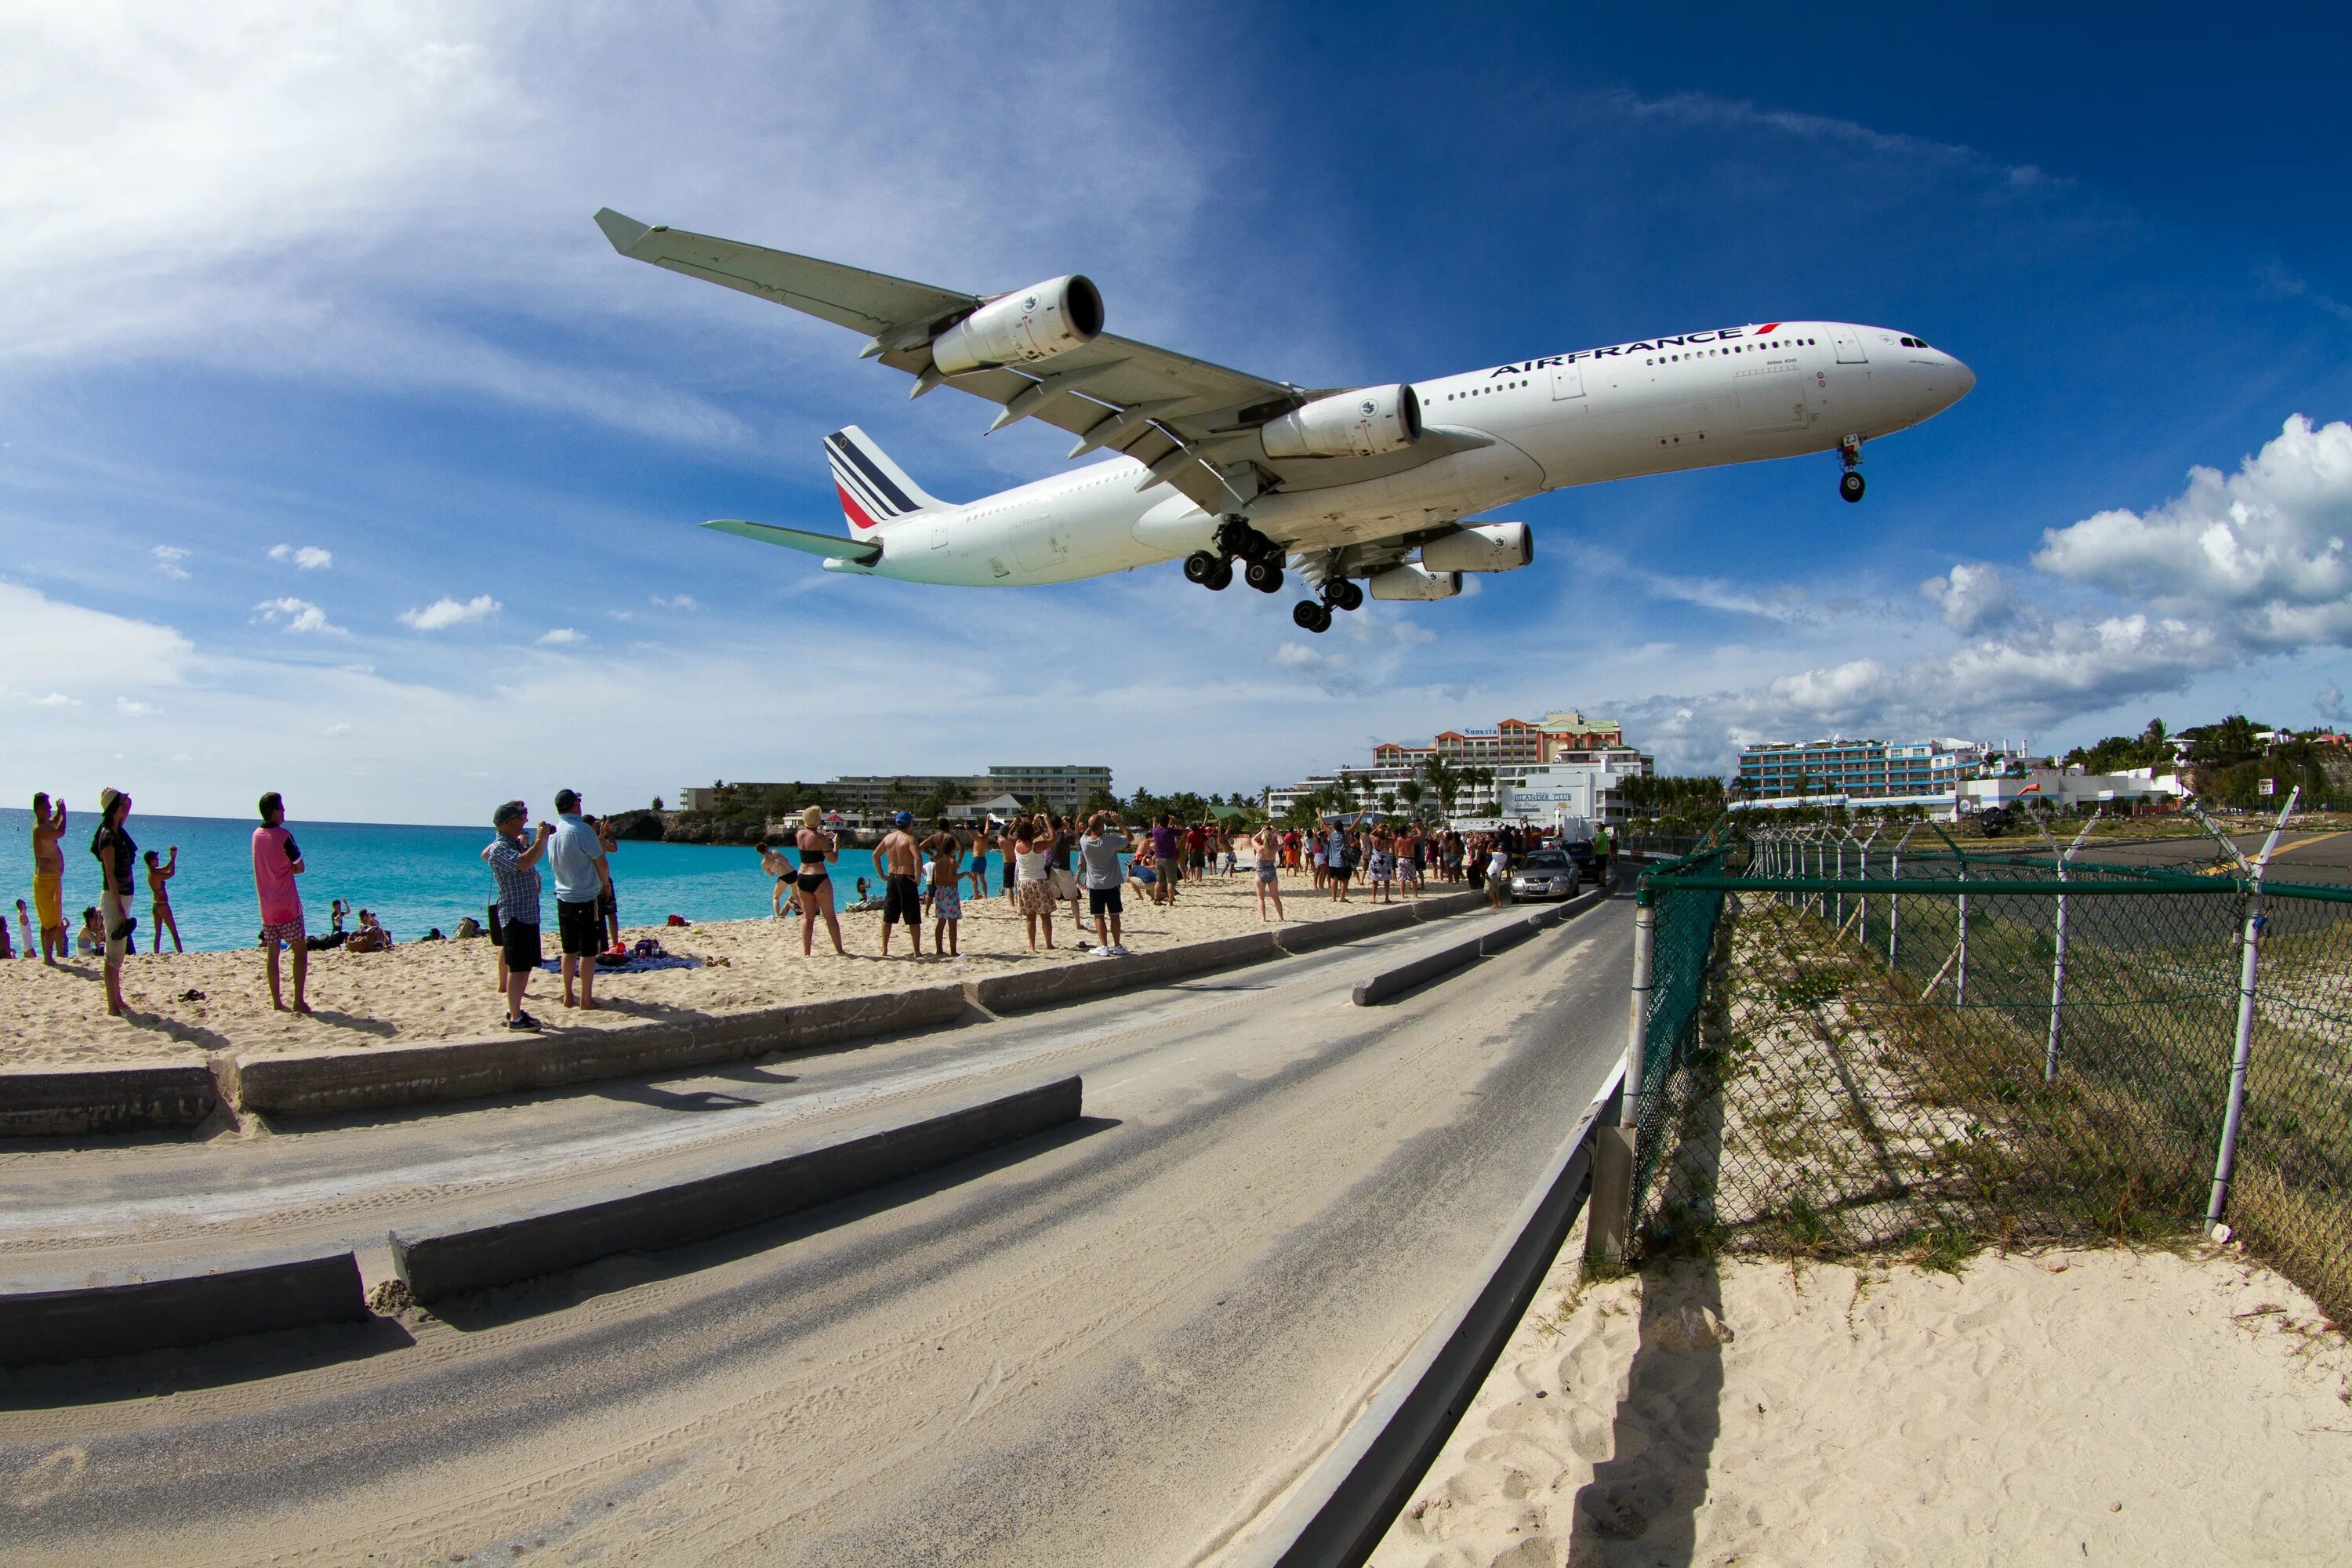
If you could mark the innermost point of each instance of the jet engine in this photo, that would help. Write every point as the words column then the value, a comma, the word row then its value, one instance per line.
column 1359, row 423
column 1025, row 326
column 1411, row 582
column 1483, row 547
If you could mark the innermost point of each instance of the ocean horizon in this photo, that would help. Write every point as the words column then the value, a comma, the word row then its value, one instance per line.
column 415, row 876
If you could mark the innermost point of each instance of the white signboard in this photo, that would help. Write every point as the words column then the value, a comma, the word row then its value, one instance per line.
column 2266, row 786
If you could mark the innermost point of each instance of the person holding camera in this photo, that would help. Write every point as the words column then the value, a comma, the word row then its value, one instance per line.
column 515, row 864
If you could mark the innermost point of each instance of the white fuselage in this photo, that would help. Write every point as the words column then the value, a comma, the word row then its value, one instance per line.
column 1686, row 401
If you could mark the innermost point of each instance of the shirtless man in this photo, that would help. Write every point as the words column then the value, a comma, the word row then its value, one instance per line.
column 48, row 878
column 900, row 863
column 159, row 873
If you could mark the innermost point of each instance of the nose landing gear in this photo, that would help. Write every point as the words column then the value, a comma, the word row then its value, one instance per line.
column 1850, row 484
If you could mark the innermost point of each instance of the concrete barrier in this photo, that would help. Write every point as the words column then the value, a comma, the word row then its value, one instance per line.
column 518, row 1244
column 1311, row 936
column 316, row 1083
column 1454, row 955
column 104, row 1099
column 53, row 1322
column 1058, row 982
column 1437, row 906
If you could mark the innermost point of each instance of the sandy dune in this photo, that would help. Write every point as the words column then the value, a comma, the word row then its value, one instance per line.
column 2102, row 1406
column 437, row 991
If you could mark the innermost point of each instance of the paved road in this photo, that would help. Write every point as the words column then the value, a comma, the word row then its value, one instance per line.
column 1113, row 1345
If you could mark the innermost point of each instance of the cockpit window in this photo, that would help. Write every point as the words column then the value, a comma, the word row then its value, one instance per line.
column 1914, row 343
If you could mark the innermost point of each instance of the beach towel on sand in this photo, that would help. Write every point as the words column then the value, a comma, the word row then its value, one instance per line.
column 637, row 965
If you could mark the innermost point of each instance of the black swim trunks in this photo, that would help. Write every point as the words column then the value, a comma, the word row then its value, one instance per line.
column 901, row 900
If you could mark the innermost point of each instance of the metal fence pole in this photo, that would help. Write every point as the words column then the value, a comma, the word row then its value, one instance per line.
column 1961, row 980
column 2242, row 1054
column 2058, row 957
column 1637, row 1019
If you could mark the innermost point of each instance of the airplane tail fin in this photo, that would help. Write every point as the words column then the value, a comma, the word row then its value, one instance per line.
column 875, row 492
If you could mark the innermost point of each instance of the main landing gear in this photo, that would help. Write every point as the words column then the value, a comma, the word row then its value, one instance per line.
column 1850, row 483
column 1333, row 593
column 1237, row 541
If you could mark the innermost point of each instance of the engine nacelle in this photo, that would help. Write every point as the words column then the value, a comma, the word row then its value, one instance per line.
column 1411, row 582
column 1023, row 327
column 1487, row 547
column 1360, row 424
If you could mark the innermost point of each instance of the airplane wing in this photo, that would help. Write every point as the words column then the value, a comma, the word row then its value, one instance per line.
column 1193, row 423
column 857, row 552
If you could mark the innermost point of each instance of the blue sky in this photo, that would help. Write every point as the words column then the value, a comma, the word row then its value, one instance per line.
column 340, row 455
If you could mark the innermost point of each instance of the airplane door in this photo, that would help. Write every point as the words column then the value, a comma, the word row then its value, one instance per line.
column 1849, row 349
column 1567, row 380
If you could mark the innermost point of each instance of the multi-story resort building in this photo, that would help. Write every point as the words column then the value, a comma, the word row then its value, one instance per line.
column 1842, row 771
column 1516, row 750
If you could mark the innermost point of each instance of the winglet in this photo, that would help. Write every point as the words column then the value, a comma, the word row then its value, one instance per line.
column 621, row 229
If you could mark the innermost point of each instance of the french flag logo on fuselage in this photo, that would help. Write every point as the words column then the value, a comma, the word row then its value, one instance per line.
column 873, row 490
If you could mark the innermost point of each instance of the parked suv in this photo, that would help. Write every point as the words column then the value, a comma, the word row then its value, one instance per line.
column 1545, row 874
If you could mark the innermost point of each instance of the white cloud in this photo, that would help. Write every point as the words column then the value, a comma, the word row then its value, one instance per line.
column 560, row 636
column 2330, row 704
column 100, row 654
column 135, row 709
column 1971, row 597
column 167, row 558
column 2262, row 551
column 336, row 731
column 676, row 602
column 446, row 612
column 298, row 614
column 308, row 557
column 56, row 700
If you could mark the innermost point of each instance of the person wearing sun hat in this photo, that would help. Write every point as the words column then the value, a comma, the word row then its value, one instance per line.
column 116, row 854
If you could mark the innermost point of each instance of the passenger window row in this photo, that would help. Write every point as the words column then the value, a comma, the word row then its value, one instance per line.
column 1741, row 349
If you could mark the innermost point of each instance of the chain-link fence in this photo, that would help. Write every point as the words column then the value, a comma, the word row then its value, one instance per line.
column 1854, row 1045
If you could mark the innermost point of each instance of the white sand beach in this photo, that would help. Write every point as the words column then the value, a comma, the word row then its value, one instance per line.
column 2084, row 1407
column 436, row 991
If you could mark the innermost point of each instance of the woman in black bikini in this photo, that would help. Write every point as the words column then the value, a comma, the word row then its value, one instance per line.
column 815, row 884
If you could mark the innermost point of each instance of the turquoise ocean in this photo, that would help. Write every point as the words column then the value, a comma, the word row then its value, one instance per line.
column 413, row 877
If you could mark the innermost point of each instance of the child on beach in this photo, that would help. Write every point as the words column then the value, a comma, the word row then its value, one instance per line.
column 90, row 940
column 25, row 924
column 159, row 873
column 947, row 898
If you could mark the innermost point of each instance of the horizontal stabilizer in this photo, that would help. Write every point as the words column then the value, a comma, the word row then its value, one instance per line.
column 857, row 551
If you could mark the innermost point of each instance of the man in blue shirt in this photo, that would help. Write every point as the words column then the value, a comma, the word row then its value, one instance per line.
column 576, row 856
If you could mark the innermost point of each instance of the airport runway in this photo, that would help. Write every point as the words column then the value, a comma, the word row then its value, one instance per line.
column 1117, row 1345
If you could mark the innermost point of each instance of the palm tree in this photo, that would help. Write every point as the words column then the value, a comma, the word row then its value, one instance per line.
column 1388, row 802
column 1409, row 792
column 1445, row 779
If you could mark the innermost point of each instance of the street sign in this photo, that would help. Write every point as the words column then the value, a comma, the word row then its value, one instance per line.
column 2266, row 786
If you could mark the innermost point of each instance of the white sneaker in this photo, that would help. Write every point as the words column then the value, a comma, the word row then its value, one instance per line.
column 1118, row 950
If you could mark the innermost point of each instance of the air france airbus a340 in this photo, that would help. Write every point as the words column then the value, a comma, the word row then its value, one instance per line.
column 1217, row 466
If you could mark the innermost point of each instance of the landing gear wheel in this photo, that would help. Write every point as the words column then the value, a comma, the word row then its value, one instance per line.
column 1344, row 595
column 1264, row 575
column 1236, row 538
column 1850, row 485
column 1221, row 579
column 1310, row 617
column 1201, row 566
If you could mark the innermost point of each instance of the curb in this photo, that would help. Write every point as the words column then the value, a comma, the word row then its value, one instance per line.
column 316, row 1083
column 518, row 1244
column 105, row 1098
column 1389, row 982
column 1097, row 977
column 1313, row 936
column 1341, row 1508
column 182, row 1309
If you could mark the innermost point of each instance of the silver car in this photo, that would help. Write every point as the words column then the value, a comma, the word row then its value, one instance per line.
column 1543, row 874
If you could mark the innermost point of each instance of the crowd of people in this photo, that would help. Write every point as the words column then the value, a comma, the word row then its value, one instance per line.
column 1047, row 864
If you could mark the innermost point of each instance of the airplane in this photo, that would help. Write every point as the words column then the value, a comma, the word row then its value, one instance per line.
column 1218, row 466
